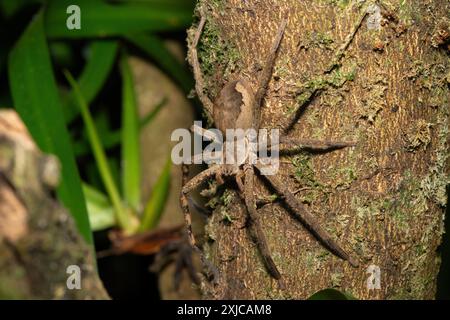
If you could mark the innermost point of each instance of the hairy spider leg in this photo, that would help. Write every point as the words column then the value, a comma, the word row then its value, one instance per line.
column 307, row 218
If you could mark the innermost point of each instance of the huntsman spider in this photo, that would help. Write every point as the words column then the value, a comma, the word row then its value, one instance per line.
column 237, row 106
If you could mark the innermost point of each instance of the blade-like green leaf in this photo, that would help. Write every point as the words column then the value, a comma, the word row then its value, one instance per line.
column 123, row 218
column 131, row 166
column 157, row 200
column 152, row 114
column 111, row 139
column 101, row 59
column 114, row 165
column 157, row 50
column 101, row 19
column 331, row 294
column 102, row 54
column 36, row 99
column 101, row 212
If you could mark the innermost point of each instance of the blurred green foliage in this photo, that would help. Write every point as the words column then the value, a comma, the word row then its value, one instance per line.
column 79, row 123
column 36, row 99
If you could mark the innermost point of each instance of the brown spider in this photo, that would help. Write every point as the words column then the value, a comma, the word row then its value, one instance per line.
column 238, row 107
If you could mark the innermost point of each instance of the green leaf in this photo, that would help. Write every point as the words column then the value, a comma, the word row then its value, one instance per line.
column 101, row 19
column 36, row 99
column 331, row 294
column 101, row 212
column 157, row 50
column 157, row 200
column 111, row 139
column 100, row 62
column 123, row 218
column 152, row 114
column 131, row 165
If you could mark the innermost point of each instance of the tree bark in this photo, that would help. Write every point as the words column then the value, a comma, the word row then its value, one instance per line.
column 38, row 237
column 374, row 72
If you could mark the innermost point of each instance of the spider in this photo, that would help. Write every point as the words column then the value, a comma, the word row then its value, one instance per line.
column 238, row 107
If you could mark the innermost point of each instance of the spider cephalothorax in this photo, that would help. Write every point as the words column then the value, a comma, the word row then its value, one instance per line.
column 237, row 106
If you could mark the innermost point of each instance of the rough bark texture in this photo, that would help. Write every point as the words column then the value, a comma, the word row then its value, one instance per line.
column 38, row 237
column 384, row 199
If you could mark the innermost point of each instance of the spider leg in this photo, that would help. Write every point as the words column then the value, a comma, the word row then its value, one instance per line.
column 266, row 74
column 187, row 258
column 265, row 200
column 184, row 261
column 248, row 195
column 287, row 124
column 289, row 144
column 199, row 84
column 307, row 218
column 164, row 257
column 309, row 95
column 207, row 134
column 188, row 186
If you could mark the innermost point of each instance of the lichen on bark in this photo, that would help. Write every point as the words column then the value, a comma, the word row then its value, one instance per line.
column 384, row 199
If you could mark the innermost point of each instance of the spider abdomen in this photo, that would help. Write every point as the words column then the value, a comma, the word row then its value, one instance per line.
column 233, row 106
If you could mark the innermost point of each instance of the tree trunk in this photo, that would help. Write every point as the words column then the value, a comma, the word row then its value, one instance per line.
column 374, row 72
column 42, row 254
